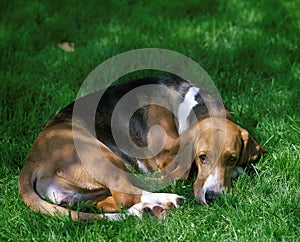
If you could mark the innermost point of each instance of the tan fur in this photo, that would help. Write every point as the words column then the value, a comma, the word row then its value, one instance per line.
column 53, row 162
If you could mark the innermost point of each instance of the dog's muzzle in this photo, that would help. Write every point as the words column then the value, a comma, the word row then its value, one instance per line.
column 210, row 196
column 207, row 196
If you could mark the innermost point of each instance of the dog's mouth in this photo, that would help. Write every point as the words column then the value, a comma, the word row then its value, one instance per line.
column 202, row 201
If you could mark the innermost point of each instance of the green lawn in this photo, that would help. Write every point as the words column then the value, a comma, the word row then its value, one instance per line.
column 249, row 48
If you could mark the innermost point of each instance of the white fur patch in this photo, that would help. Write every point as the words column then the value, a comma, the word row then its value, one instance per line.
column 142, row 167
column 185, row 108
column 161, row 198
column 136, row 210
column 54, row 194
column 212, row 181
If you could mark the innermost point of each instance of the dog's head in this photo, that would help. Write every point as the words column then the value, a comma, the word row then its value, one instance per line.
column 219, row 148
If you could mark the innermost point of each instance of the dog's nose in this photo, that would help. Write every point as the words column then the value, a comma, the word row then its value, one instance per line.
column 210, row 195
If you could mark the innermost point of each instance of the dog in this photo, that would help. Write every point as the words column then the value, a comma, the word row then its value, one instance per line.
column 85, row 152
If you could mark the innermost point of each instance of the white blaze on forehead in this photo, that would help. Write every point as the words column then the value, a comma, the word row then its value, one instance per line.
column 186, row 107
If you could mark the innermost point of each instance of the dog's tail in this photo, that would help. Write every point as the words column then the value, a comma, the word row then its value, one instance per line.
column 27, row 180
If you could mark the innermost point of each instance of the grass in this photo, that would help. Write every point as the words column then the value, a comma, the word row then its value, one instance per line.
column 249, row 48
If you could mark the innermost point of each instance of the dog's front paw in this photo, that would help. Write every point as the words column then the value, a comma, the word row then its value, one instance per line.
column 155, row 210
column 156, row 204
column 164, row 199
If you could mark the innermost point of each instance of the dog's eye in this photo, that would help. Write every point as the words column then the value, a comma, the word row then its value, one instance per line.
column 231, row 161
column 203, row 159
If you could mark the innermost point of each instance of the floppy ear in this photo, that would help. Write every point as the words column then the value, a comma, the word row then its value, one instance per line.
column 251, row 150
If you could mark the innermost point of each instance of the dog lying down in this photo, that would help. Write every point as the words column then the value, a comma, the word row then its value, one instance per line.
column 155, row 124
